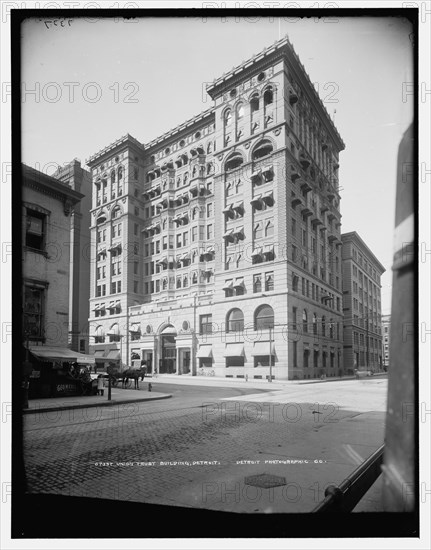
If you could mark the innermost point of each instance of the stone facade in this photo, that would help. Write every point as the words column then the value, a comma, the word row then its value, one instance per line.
column 361, row 305
column 216, row 247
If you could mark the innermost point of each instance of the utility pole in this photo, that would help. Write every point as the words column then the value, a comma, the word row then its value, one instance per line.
column 367, row 343
column 270, row 353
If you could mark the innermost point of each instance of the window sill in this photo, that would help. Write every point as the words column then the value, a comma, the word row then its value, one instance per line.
column 36, row 251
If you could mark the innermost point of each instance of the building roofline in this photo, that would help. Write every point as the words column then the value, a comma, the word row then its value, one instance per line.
column 277, row 50
column 50, row 183
column 183, row 126
column 353, row 236
column 109, row 148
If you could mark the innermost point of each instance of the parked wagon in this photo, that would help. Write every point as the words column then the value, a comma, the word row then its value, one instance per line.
column 126, row 376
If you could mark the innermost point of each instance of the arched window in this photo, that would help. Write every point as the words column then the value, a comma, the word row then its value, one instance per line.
column 185, row 281
column 264, row 317
column 235, row 321
column 227, row 117
column 116, row 212
column 114, row 333
column 185, row 178
column 120, row 172
column 101, row 219
column 194, row 278
column 209, row 147
column 254, row 103
column 234, row 161
column 99, row 336
column 113, row 176
column 304, row 321
column 165, row 283
column 331, row 328
column 314, row 324
column 178, row 282
column 268, row 96
column 323, row 326
column 240, row 112
column 262, row 149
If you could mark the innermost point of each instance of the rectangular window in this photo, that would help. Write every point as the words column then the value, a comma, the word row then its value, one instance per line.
column 171, row 242
column 209, row 210
column 294, row 316
column 194, row 233
column 201, row 232
column 136, row 229
column 135, row 268
column 205, row 324
column 35, row 230
column 257, row 283
column 135, row 286
column 185, row 238
column 34, row 302
column 209, row 231
column 269, row 281
column 179, row 241
column 295, row 354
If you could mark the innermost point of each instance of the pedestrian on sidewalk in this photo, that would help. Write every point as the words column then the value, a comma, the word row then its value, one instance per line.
column 100, row 385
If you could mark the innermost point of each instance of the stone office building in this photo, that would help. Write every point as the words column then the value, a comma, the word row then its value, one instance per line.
column 362, row 273
column 217, row 246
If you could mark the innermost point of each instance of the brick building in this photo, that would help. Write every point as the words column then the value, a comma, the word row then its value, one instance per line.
column 216, row 246
column 361, row 305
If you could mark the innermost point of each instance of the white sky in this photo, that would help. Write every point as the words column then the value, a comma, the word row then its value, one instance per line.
column 359, row 65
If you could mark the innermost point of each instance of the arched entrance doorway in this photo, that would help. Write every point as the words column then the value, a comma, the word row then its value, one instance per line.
column 168, row 350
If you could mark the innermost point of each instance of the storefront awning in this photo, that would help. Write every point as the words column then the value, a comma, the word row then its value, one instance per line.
column 47, row 353
column 99, row 354
column 205, row 352
column 234, row 350
column 84, row 359
column 262, row 348
column 113, row 355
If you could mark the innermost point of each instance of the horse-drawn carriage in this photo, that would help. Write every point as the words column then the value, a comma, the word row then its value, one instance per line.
column 126, row 376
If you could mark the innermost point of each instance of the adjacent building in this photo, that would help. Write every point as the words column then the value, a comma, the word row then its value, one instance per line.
column 79, row 179
column 386, row 333
column 362, row 273
column 216, row 247
column 48, row 230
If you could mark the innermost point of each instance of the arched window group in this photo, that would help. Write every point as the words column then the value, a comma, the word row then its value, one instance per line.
column 263, row 319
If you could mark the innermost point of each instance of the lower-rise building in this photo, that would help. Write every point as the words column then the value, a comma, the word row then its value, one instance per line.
column 362, row 331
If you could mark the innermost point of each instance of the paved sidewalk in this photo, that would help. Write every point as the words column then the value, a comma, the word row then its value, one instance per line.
column 250, row 383
column 118, row 396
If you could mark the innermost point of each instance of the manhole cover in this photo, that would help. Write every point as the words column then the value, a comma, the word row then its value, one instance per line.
column 265, row 481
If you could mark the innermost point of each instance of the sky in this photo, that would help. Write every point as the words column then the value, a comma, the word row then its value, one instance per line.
column 92, row 81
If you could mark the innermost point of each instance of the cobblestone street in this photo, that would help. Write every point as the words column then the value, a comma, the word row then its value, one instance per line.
column 198, row 448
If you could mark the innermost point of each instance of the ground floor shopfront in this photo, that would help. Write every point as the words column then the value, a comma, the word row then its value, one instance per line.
column 246, row 337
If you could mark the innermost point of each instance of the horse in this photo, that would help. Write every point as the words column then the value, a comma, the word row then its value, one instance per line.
column 135, row 374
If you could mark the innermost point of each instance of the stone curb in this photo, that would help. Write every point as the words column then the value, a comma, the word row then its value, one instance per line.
column 92, row 405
